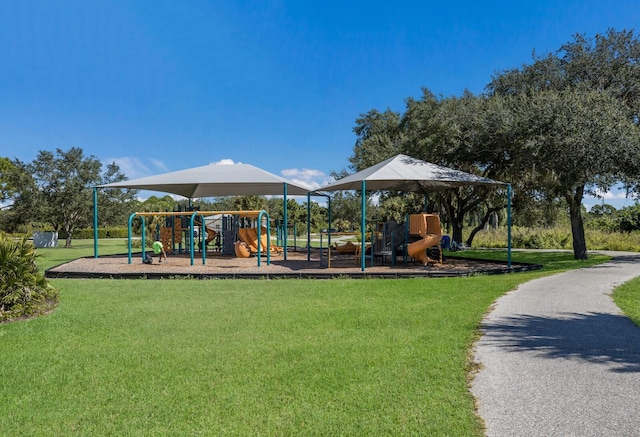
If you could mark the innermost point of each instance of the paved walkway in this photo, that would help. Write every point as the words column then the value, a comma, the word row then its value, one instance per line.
column 559, row 359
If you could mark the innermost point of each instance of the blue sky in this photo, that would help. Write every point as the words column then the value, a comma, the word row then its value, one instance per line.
column 161, row 86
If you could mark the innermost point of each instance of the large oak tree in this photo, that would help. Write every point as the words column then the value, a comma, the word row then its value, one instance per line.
column 577, row 120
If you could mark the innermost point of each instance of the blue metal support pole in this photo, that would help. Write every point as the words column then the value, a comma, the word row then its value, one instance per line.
column 329, row 220
column 268, row 248
column 264, row 213
column 202, row 234
column 259, row 226
column 203, row 239
column 309, row 226
column 509, row 226
column 286, row 225
column 144, row 239
column 191, row 222
column 129, row 235
column 95, row 222
column 329, row 211
column 363, row 224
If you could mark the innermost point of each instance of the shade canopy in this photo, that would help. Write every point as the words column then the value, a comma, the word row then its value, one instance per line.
column 407, row 174
column 215, row 180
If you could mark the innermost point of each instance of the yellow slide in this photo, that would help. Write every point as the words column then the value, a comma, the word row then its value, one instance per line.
column 249, row 236
column 242, row 250
column 418, row 249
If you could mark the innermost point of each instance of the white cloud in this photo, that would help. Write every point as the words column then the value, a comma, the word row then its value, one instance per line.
column 615, row 193
column 159, row 164
column 134, row 168
column 226, row 161
column 311, row 185
column 611, row 195
column 131, row 167
column 305, row 173
column 306, row 177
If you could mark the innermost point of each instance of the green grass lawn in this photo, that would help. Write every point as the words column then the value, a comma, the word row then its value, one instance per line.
column 627, row 297
column 242, row 357
column 52, row 256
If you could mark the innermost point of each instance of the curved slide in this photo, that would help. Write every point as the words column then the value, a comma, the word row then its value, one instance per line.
column 242, row 251
column 249, row 242
column 418, row 249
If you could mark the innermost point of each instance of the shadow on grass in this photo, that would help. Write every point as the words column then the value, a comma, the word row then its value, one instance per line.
column 598, row 338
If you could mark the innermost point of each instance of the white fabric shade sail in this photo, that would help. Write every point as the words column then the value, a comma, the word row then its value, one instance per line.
column 407, row 174
column 215, row 180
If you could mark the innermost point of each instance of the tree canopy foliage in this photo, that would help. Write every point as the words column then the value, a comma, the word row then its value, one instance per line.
column 57, row 189
column 557, row 129
column 7, row 189
column 579, row 121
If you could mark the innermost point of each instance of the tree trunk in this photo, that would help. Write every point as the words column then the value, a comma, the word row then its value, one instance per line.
column 457, row 226
column 481, row 225
column 455, row 223
column 68, row 240
column 577, row 224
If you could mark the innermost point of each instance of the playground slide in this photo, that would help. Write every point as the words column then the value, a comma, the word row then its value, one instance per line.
column 418, row 249
column 249, row 236
column 263, row 241
column 211, row 234
column 242, row 250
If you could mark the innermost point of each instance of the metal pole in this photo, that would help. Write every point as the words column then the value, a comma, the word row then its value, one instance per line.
column 191, row 223
column 259, row 233
column 95, row 222
column 144, row 240
column 308, row 226
column 286, row 225
column 363, row 223
column 129, row 235
column 203, row 239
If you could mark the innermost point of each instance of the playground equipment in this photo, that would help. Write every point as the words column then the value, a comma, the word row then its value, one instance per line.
column 347, row 247
column 427, row 227
column 250, row 237
column 171, row 233
column 242, row 250
column 284, row 234
column 419, row 237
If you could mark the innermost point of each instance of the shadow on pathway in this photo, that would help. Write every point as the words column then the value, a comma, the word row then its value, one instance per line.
column 593, row 337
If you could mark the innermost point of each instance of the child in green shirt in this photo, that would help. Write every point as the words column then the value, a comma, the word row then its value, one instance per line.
column 158, row 249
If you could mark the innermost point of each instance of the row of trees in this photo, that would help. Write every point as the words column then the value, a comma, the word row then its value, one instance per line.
column 556, row 129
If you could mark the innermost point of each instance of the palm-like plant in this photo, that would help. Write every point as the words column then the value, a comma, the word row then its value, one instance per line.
column 24, row 291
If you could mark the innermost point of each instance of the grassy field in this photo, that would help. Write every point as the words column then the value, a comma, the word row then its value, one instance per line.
column 627, row 297
column 52, row 256
column 242, row 357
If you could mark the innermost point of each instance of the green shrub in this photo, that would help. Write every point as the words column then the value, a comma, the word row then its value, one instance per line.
column 24, row 292
column 628, row 218
column 558, row 237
